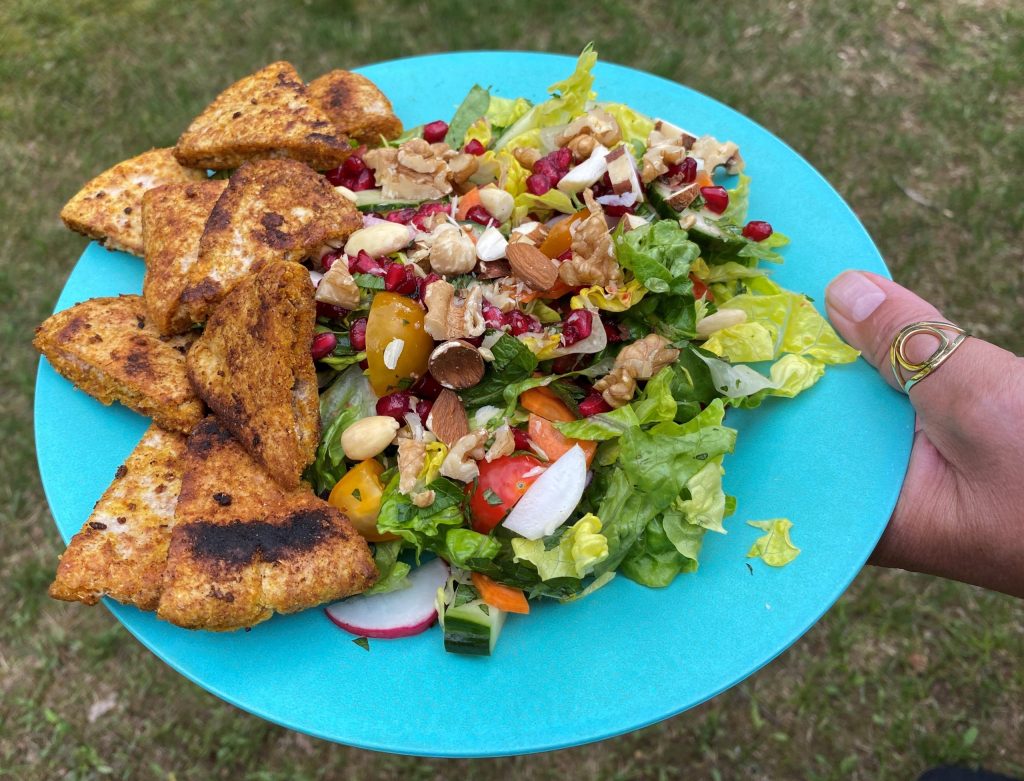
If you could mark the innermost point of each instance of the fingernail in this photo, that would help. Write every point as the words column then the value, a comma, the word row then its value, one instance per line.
column 854, row 296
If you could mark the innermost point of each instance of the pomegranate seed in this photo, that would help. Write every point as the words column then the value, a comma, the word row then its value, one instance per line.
column 364, row 181
column 323, row 345
column 562, row 158
column 423, row 408
column 422, row 283
column 565, row 363
column 426, row 387
column 547, row 167
column 577, row 327
column 757, row 230
column 328, row 259
column 474, row 147
column 538, row 184
column 426, row 211
column 522, row 323
column 494, row 317
column 716, row 198
column 683, row 172
column 479, row 215
column 522, row 441
column 357, row 334
column 614, row 332
column 593, row 404
column 330, row 311
column 400, row 215
column 476, row 341
column 353, row 165
column 400, row 279
column 435, row 131
column 336, row 176
column 394, row 405
column 567, row 255
column 364, row 264
column 364, row 364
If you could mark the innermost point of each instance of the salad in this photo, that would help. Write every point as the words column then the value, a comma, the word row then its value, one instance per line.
column 526, row 356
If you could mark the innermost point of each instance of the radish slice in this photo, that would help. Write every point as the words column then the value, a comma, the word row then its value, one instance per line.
column 401, row 613
column 550, row 500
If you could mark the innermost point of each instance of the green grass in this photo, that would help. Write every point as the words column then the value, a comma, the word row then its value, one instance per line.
column 913, row 111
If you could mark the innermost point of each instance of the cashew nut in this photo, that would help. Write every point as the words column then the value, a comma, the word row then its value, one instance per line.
column 381, row 238
column 498, row 203
column 368, row 437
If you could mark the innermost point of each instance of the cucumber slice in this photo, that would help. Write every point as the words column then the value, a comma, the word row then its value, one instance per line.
column 367, row 200
column 471, row 626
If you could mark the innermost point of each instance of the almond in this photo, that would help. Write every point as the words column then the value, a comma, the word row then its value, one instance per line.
column 456, row 364
column 447, row 418
column 532, row 266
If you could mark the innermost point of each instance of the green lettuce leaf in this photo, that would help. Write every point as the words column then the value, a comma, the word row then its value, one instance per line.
column 425, row 528
column 348, row 399
column 654, row 405
column 706, row 506
column 569, row 101
column 739, row 199
column 742, row 386
column 774, row 548
column 655, row 560
column 503, row 112
column 792, row 324
column 579, row 549
column 659, row 254
column 466, row 548
column 473, row 107
column 636, row 127
column 394, row 574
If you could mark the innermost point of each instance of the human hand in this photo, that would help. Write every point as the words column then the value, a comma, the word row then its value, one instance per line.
column 960, row 513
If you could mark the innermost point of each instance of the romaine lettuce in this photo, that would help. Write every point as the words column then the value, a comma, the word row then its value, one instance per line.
column 579, row 549
column 774, row 548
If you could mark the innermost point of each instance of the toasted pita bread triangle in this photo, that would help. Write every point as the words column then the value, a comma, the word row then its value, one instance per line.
column 121, row 550
column 106, row 347
column 263, row 115
column 253, row 366
column 356, row 106
column 173, row 219
column 109, row 207
column 243, row 548
column 271, row 210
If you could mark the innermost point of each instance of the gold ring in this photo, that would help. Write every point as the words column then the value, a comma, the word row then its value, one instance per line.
column 918, row 371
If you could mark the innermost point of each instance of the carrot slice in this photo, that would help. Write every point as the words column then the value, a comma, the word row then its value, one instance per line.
column 553, row 442
column 559, row 239
column 467, row 202
column 704, row 179
column 503, row 597
column 546, row 404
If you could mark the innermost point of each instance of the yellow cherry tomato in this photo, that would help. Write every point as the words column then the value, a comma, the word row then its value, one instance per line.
column 358, row 495
column 395, row 337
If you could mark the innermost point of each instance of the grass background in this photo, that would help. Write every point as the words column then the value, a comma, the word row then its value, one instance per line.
column 913, row 110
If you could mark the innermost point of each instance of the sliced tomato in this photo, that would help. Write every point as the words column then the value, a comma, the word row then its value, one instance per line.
column 501, row 484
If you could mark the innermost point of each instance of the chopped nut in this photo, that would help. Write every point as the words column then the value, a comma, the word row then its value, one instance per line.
column 466, row 315
column 447, row 418
column 414, row 171
column 593, row 255
column 683, row 197
column 460, row 463
column 411, row 457
column 531, row 232
column 526, row 156
column 504, row 443
column 438, row 300
column 596, row 123
column 582, row 147
column 638, row 361
column 666, row 145
column 423, row 498
column 491, row 245
column 379, row 239
column 532, row 266
column 499, row 204
column 337, row 287
column 461, row 167
column 723, row 318
column 451, row 250
column 456, row 364
column 715, row 153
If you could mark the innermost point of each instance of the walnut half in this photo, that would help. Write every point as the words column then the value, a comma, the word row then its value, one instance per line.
column 593, row 254
column 414, row 171
column 638, row 361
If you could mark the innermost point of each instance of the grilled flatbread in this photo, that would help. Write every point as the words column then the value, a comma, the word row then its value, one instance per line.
column 106, row 348
column 253, row 367
column 243, row 548
column 121, row 550
column 109, row 207
column 173, row 218
column 271, row 210
column 266, row 114
column 356, row 106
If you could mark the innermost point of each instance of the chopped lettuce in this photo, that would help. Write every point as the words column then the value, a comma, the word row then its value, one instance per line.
column 774, row 548
column 348, row 399
column 473, row 107
column 513, row 362
column 569, row 100
column 636, row 127
column 423, row 527
column 656, row 404
column 503, row 112
column 618, row 300
column 782, row 323
column 394, row 574
column 742, row 386
column 578, row 550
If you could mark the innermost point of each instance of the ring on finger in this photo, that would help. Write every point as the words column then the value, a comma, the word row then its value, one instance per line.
column 908, row 373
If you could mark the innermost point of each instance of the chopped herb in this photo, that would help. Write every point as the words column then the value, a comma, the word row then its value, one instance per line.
column 362, row 642
column 491, row 497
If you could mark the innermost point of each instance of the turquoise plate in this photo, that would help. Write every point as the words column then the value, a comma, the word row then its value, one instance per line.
column 832, row 460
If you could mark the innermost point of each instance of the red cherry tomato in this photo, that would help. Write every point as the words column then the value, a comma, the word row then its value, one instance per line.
column 501, row 484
